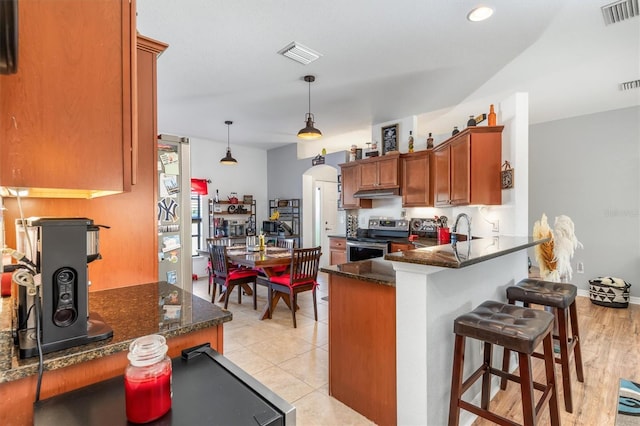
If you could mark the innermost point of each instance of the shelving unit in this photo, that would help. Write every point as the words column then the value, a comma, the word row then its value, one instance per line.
column 289, row 210
column 222, row 216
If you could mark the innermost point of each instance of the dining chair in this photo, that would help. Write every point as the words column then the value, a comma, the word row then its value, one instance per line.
column 302, row 276
column 228, row 276
column 210, row 272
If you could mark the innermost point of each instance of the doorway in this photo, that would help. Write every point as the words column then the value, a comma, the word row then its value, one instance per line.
column 320, row 208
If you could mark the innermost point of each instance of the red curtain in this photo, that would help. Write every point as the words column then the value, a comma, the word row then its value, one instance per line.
column 199, row 186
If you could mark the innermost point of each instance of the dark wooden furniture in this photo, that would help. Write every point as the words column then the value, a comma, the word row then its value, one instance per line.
column 562, row 298
column 514, row 328
column 350, row 180
column 268, row 261
column 337, row 250
column 416, row 170
column 467, row 168
column 230, row 277
column 302, row 276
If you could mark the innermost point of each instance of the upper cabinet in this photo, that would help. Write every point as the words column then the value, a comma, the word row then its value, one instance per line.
column 467, row 168
column 68, row 116
column 350, row 179
column 379, row 172
column 417, row 190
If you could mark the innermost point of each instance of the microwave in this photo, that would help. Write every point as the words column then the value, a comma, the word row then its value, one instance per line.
column 270, row 227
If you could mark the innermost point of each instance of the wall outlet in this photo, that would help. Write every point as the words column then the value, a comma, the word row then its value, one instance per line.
column 495, row 226
column 580, row 268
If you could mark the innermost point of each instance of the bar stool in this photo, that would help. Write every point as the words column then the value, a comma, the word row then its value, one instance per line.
column 517, row 329
column 561, row 297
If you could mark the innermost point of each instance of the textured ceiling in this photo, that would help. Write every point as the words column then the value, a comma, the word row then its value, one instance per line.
column 381, row 61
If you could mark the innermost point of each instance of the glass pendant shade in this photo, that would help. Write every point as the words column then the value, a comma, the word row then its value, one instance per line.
column 228, row 159
column 309, row 132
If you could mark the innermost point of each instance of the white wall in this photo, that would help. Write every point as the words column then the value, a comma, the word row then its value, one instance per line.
column 245, row 178
column 587, row 168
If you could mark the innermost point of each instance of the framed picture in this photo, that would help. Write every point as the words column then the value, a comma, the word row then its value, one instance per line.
column 390, row 138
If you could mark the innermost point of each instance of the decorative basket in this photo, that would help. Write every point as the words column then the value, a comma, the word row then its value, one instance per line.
column 609, row 291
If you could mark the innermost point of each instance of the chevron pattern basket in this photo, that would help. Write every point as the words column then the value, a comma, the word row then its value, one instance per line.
column 609, row 291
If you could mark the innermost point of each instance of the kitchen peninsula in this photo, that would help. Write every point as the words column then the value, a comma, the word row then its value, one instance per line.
column 154, row 308
column 406, row 304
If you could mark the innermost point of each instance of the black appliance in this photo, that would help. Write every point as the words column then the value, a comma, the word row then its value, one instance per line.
column 61, row 249
column 270, row 227
column 200, row 373
column 375, row 241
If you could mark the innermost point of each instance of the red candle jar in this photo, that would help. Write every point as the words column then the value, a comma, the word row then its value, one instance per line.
column 443, row 235
column 147, row 379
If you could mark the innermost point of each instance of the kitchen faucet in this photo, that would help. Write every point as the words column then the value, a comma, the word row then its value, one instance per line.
column 454, row 229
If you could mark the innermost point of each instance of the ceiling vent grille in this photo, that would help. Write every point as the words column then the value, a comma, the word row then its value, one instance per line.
column 628, row 85
column 300, row 53
column 619, row 11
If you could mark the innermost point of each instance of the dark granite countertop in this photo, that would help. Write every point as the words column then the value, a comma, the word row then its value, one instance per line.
column 377, row 271
column 130, row 311
column 464, row 253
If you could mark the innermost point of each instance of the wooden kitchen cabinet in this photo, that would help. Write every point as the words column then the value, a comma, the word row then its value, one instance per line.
column 396, row 247
column 69, row 113
column 379, row 172
column 350, row 178
column 416, row 187
column 337, row 250
column 467, row 168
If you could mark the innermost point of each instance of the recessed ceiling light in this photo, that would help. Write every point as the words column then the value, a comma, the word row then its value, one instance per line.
column 480, row 13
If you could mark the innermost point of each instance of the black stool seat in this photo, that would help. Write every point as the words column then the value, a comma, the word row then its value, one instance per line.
column 546, row 293
column 513, row 327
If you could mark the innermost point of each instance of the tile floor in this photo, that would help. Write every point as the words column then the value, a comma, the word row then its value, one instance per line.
column 293, row 362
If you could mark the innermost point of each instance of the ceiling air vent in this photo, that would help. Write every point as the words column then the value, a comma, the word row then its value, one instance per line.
column 628, row 85
column 619, row 11
column 300, row 53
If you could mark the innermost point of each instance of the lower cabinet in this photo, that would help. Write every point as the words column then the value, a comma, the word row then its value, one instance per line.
column 396, row 247
column 337, row 250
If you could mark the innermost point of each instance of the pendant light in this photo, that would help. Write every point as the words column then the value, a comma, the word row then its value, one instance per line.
column 228, row 159
column 309, row 132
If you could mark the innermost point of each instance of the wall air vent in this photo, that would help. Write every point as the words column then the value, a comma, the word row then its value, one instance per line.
column 300, row 53
column 619, row 11
column 628, row 85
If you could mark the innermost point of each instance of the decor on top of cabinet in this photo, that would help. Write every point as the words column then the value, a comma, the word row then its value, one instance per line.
column 472, row 121
column 455, row 131
column 390, row 138
column 429, row 141
column 410, row 141
column 492, row 116
column 372, row 149
column 506, row 175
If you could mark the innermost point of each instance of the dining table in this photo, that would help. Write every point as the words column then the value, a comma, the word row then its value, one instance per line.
column 269, row 261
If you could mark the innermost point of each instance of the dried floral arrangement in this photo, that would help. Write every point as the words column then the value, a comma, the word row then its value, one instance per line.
column 554, row 256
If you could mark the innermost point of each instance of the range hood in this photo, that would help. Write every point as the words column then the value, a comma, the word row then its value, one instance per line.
column 377, row 193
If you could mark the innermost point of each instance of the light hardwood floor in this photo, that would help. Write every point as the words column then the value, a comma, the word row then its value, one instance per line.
column 294, row 362
column 610, row 340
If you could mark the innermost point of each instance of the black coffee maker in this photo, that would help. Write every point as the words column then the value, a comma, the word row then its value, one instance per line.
column 60, row 249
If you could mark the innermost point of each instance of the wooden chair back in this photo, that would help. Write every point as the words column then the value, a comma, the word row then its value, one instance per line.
column 218, row 258
column 305, row 263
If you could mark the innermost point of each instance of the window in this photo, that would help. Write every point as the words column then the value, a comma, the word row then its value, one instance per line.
column 196, row 223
